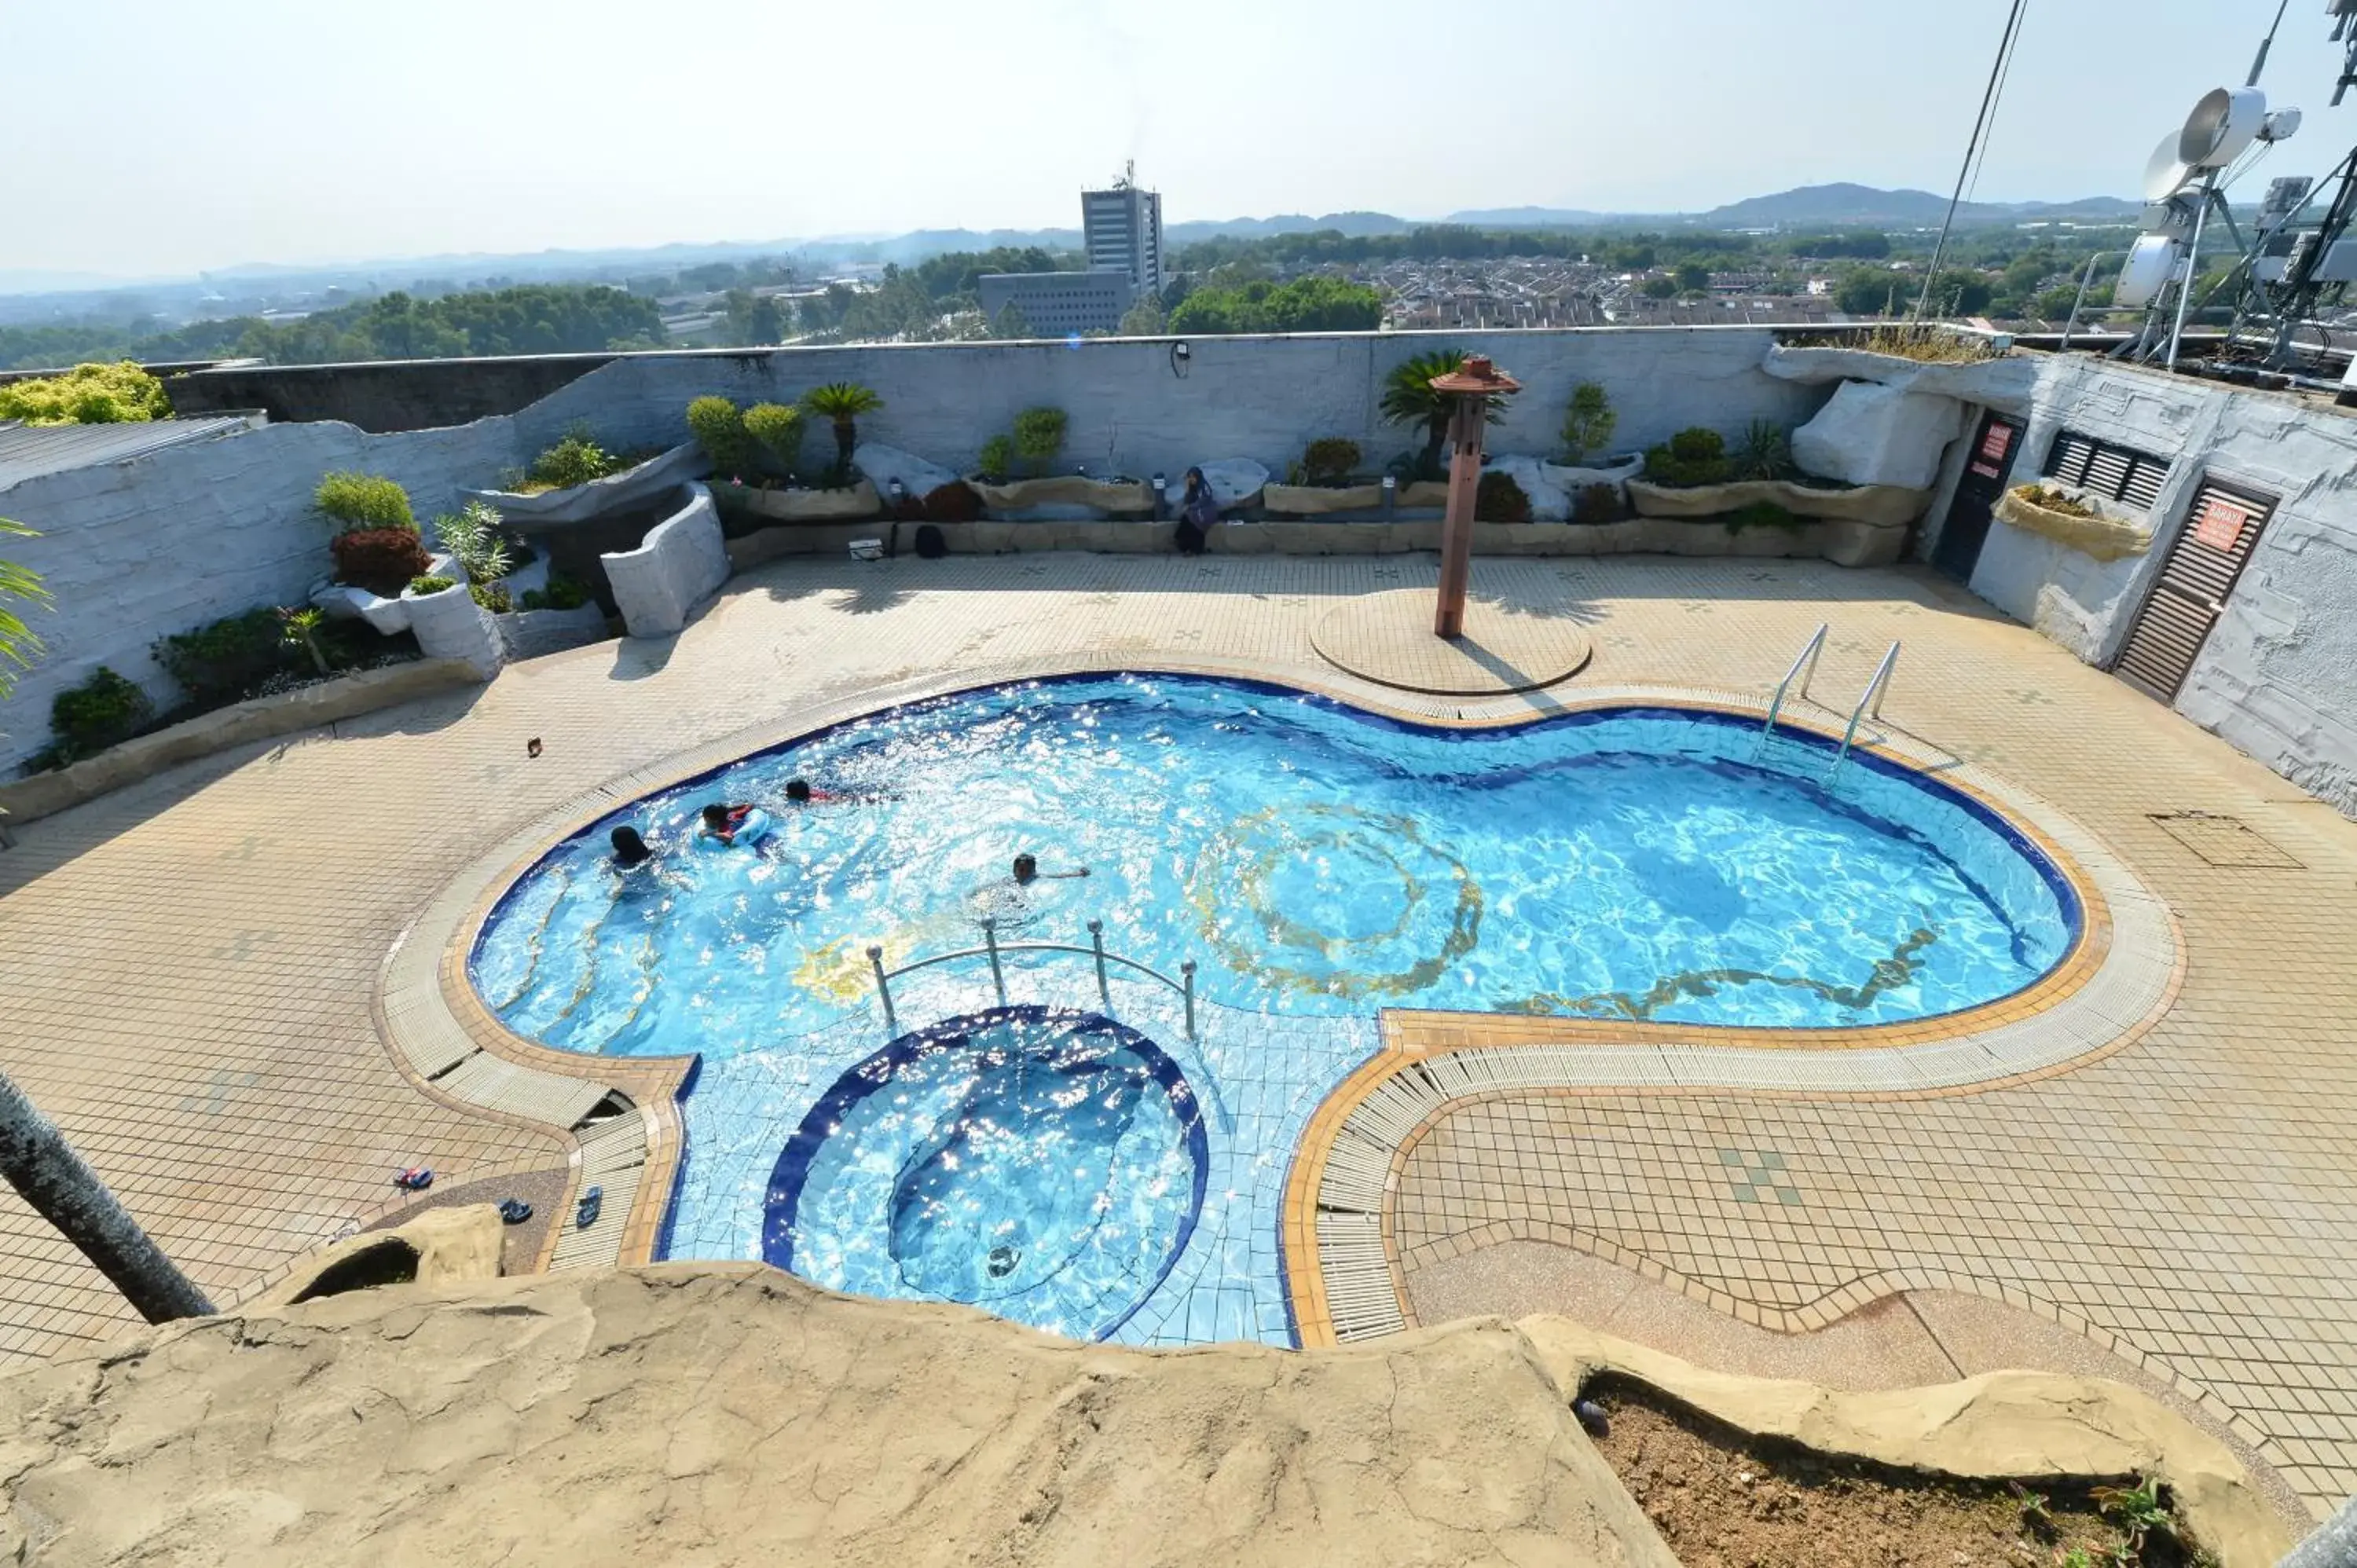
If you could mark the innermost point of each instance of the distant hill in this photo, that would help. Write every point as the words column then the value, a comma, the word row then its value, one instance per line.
column 1195, row 229
column 1847, row 205
column 1535, row 218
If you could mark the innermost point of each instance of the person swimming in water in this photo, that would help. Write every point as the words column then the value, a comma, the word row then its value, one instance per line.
column 1017, row 902
column 630, row 849
column 799, row 792
column 732, row 824
column 1027, row 871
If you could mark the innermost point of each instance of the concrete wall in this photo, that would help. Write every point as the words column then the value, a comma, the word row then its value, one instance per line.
column 2279, row 674
column 1262, row 398
column 139, row 549
column 383, row 395
column 682, row 562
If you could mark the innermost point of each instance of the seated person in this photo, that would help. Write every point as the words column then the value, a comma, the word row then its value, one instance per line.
column 630, row 849
column 733, row 825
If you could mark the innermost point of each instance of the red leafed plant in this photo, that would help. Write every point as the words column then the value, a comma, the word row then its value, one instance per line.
column 382, row 560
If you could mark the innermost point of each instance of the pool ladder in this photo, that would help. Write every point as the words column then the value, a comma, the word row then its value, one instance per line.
column 1804, row 670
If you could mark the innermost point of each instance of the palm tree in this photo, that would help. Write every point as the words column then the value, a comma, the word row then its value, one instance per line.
column 1408, row 398
column 17, row 643
column 843, row 402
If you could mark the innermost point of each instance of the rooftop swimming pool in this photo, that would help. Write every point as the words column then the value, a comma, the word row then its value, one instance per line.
column 1317, row 863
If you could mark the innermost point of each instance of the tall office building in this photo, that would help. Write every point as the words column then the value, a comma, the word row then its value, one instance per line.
column 1122, row 230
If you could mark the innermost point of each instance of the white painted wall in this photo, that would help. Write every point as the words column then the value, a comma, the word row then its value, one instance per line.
column 2278, row 675
column 139, row 549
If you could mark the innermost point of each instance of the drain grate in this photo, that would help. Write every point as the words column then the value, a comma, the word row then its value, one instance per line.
column 2224, row 840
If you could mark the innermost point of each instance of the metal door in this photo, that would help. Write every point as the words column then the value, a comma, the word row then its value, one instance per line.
column 2222, row 528
column 1966, row 528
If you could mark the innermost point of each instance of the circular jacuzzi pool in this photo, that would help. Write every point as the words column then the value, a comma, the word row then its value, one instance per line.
column 1045, row 1165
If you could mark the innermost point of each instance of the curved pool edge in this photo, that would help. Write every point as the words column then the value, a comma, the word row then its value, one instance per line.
column 445, row 1038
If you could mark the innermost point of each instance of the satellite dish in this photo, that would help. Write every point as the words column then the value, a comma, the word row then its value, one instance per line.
column 2224, row 123
column 2165, row 173
column 2150, row 266
column 2171, row 218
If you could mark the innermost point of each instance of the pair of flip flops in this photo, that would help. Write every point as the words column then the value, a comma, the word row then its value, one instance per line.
column 515, row 1211
column 416, row 1178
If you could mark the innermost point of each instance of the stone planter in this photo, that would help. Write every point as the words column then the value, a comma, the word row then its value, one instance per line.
column 615, row 492
column 1424, row 493
column 1322, row 501
column 1572, row 477
column 1886, row 506
column 1117, row 498
column 342, row 602
column 451, row 624
column 2003, row 383
column 257, row 718
column 529, row 634
column 1234, row 481
column 682, row 562
column 2115, row 534
column 839, row 505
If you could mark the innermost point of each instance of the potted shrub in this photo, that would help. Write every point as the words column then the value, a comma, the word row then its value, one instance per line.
column 1322, row 483
column 1408, row 398
column 2095, row 525
column 1038, row 436
column 1588, row 421
column 762, row 447
column 376, row 547
column 579, row 477
column 1693, row 475
column 840, row 404
column 1498, row 499
column 105, row 710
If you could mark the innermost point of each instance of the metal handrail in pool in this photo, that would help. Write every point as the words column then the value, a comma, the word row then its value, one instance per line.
column 991, row 949
column 1873, row 693
column 1808, row 656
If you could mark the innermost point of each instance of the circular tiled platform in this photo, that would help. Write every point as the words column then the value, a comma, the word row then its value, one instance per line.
column 1387, row 639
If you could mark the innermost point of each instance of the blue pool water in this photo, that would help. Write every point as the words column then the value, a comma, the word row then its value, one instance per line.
column 1044, row 1166
column 1317, row 865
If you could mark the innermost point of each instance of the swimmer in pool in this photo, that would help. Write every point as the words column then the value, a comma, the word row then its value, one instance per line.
column 1027, row 871
column 630, row 849
column 723, row 823
column 799, row 792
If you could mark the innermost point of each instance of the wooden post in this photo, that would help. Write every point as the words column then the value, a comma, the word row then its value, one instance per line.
column 1457, row 531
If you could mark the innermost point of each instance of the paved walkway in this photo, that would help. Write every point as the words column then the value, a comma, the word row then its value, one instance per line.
column 187, row 968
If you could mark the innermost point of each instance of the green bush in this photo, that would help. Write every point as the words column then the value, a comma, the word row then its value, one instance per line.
column 1039, row 436
column 427, row 583
column 575, row 461
column 1762, row 514
column 720, row 429
column 1694, row 456
column 87, row 394
column 1766, row 452
column 1329, row 460
column 1498, row 499
column 492, row 596
column 103, row 710
column 224, row 661
column 562, row 594
column 364, row 502
column 473, row 536
column 1588, row 421
column 778, row 428
column 997, row 460
column 1597, row 504
column 378, row 559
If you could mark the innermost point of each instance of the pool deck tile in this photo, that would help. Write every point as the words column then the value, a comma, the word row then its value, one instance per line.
column 195, row 987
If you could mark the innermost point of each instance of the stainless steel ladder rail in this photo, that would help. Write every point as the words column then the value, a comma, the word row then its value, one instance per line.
column 1872, row 694
column 992, row 949
column 1808, row 656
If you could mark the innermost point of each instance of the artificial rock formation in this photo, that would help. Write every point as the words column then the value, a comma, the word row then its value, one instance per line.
column 730, row 1413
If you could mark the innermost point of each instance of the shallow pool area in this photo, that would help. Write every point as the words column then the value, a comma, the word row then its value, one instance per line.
column 1317, row 863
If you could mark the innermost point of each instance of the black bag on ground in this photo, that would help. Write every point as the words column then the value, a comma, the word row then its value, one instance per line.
column 930, row 545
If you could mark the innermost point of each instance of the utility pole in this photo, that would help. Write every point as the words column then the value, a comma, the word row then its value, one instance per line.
column 47, row 1173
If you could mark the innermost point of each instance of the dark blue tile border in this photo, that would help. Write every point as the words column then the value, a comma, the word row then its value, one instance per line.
column 877, row 1072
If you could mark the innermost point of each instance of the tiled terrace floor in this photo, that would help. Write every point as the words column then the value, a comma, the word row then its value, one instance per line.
column 185, row 967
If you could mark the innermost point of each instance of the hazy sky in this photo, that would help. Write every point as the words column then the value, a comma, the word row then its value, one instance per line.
column 156, row 137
